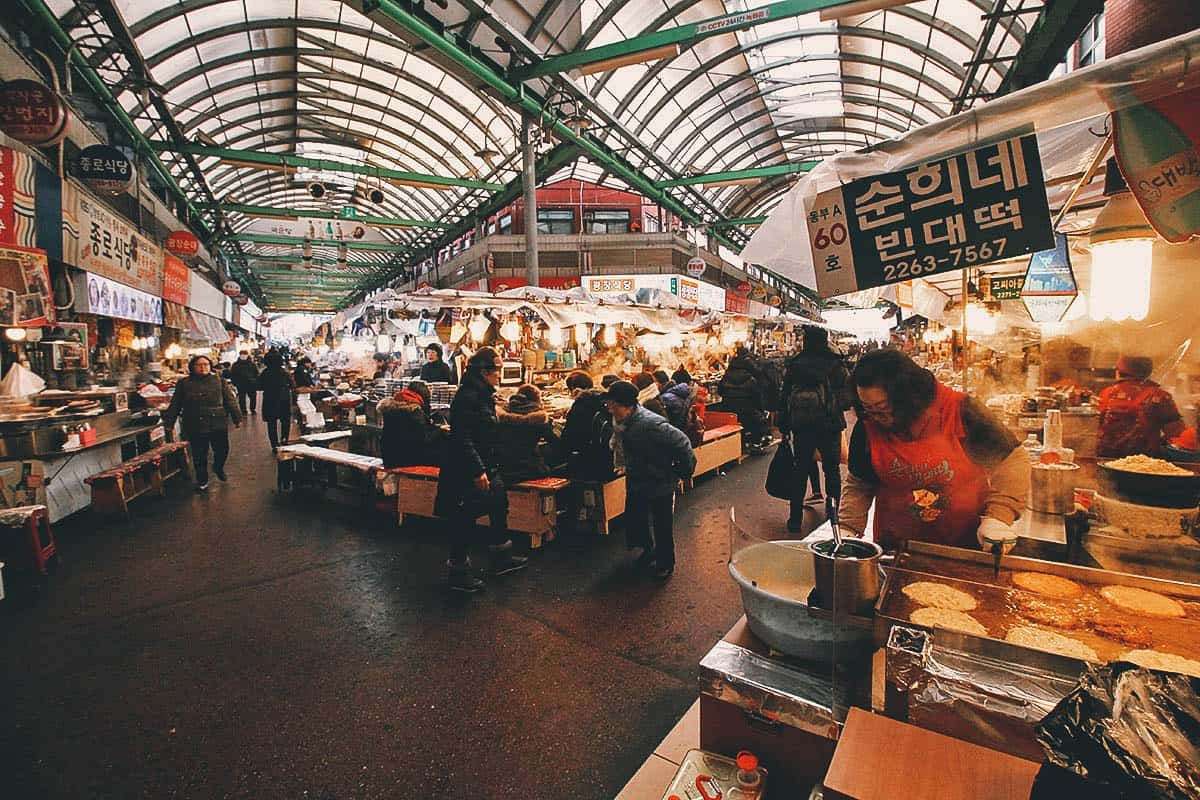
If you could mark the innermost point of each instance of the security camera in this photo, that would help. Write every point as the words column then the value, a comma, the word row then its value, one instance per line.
column 375, row 195
column 316, row 190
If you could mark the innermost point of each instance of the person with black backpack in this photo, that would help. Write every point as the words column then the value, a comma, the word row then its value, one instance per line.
column 812, row 412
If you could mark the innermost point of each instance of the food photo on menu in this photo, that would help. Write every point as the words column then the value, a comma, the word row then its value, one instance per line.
column 30, row 307
column 35, row 279
column 8, row 307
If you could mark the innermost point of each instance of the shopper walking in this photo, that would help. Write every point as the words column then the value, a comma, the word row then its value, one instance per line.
column 277, row 393
column 244, row 377
column 812, row 411
column 204, row 402
column 658, row 456
column 742, row 393
column 470, row 484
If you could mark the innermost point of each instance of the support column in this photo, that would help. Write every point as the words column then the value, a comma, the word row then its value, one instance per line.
column 529, row 178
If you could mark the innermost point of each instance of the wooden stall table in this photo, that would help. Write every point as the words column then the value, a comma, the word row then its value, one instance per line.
column 301, row 465
column 722, row 444
column 876, row 756
column 113, row 488
column 600, row 503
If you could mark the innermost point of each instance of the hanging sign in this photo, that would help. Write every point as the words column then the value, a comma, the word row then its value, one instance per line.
column 963, row 211
column 241, row 299
column 775, row 301
column 183, row 244
column 735, row 304
column 1158, row 149
column 111, row 299
column 696, row 267
column 176, row 280
column 231, row 288
column 110, row 246
column 1002, row 287
column 32, row 113
column 1049, row 285
column 25, row 296
column 8, row 206
column 743, row 288
column 105, row 168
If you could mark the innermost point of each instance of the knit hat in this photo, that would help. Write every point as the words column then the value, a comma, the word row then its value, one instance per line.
column 608, row 380
column 1138, row 367
column 408, row 396
column 579, row 380
column 642, row 380
column 526, row 400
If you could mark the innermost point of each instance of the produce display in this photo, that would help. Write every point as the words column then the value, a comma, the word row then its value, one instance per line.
column 1146, row 465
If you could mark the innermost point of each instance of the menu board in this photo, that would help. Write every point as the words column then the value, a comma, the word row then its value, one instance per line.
column 25, row 296
column 111, row 299
column 110, row 247
column 963, row 211
column 176, row 284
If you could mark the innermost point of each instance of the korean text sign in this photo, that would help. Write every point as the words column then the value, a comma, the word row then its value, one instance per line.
column 962, row 211
column 176, row 280
column 110, row 246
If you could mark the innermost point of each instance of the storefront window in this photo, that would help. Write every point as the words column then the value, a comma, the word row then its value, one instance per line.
column 555, row 220
column 604, row 221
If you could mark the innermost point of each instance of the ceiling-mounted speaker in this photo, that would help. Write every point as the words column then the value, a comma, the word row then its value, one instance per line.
column 375, row 195
column 317, row 190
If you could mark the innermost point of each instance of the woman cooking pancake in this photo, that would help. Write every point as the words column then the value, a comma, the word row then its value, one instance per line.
column 940, row 467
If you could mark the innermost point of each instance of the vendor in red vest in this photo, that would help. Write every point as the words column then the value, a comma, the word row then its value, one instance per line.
column 1136, row 414
column 940, row 467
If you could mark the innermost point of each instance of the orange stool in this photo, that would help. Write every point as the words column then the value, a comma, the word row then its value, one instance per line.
column 34, row 522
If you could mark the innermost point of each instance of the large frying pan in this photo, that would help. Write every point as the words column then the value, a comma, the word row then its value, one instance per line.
column 1164, row 491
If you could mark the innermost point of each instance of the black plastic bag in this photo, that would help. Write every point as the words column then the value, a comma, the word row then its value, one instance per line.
column 1134, row 729
column 781, row 474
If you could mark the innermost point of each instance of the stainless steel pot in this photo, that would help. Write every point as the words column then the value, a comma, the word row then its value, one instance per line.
column 1052, row 487
column 849, row 582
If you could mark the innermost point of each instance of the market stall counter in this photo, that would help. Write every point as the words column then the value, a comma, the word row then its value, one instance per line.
column 54, row 441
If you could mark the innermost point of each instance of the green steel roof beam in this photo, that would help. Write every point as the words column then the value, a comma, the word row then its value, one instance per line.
column 262, row 238
column 740, row 174
column 358, row 266
column 390, row 11
column 729, row 223
column 296, row 213
column 681, row 35
column 253, row 158
column 1057, row 27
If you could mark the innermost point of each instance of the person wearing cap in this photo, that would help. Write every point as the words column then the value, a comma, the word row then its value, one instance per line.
column 523, row 427
column 470, row 483
column 435, row 370
column 657, row 457
column 1136, row 414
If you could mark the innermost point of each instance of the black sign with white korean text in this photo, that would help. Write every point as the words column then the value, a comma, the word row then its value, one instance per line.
column 963, row 211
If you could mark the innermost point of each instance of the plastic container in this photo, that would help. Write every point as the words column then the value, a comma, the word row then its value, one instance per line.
column 1052, row 430
column 708, row 776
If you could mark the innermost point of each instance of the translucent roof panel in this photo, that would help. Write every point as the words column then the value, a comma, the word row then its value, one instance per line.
column 302, row 76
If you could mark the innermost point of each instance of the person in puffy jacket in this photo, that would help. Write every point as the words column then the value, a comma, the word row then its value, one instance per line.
column 204, row 402
column 470, row 484
column 657, row 457
column 643, row 381
column 677, row 400
column 277, row 394
column 244, row 377
column 409, row 438
column 523, row 427
column 743, row 393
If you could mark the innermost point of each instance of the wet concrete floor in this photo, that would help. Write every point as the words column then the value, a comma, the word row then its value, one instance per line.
column 243, row 644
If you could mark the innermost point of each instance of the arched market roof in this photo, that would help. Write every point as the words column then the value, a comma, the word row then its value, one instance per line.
column 412, row 89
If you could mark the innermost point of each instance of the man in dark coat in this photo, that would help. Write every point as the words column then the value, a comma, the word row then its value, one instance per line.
column 657, row 457
column 204, row 401
column 812, row 409
column 277, row 392
column 434, row 370
column 244, row 377
column 470, row 484
column 742, row 393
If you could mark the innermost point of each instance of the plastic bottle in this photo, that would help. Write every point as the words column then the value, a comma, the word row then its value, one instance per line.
column 1032, row 446
column 750, row 779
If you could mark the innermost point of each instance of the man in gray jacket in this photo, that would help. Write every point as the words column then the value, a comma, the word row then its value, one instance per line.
column 657, row 457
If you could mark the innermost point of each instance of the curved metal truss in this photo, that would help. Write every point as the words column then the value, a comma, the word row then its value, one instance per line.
column 293, row 77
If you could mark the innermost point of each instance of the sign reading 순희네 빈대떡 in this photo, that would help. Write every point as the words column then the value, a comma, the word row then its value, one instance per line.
column 963, row 211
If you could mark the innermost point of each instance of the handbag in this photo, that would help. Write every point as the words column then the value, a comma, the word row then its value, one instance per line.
column 780, row 474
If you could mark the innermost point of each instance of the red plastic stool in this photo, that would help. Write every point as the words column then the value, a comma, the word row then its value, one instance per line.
column 34, row 521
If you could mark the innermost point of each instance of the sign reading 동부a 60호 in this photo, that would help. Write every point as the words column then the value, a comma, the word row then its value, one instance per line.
column 109, row 246
column 962, row 211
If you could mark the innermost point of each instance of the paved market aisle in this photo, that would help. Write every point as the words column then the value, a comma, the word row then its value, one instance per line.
column 240, row 644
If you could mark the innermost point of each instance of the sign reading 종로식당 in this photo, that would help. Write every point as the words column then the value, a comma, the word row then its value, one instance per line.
column 965, row 210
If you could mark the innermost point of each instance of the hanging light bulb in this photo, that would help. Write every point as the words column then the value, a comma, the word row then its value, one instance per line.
column 478, row 327
column 1122, row 245
column 343, row 253
column 581, row 332
column 610, row 335
column 554, row 335
column 173, row 351
column 511, row 330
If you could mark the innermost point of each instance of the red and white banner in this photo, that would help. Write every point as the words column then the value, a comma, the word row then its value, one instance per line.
column 176, row 280
column 8, row 180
